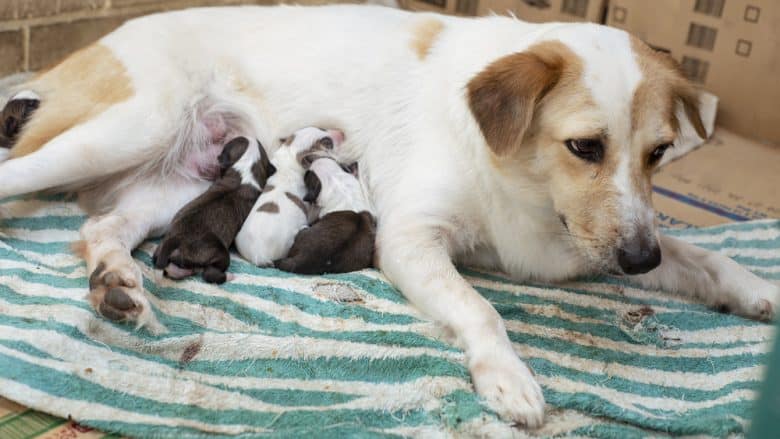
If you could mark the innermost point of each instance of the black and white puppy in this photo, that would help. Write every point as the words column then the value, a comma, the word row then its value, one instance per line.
column 342, row 239
column 202, row 232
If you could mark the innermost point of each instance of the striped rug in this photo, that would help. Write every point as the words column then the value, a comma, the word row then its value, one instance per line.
column 335, row 356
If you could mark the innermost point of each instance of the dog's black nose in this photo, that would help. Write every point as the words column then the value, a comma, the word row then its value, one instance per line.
column 639, row 256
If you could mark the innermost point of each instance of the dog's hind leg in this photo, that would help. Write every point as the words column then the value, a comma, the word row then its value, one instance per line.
column 121, row 138
column 116, row 284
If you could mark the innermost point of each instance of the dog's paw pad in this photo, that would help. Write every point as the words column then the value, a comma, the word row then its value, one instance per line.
column 118, row 299
column 111, row 294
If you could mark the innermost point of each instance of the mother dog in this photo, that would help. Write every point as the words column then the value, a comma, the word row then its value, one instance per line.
column 490, row 142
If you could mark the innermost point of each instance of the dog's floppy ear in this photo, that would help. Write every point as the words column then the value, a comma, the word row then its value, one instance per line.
column 687, row 96
column 313, row 186
column 231, row 152
column 684, row 93
column 503, row 96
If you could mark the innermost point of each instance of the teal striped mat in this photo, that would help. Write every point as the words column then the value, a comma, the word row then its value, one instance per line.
column 334, row 356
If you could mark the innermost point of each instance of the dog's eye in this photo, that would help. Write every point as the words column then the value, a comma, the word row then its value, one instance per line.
column 591, row 150
column 658, row 153
column 327, row 143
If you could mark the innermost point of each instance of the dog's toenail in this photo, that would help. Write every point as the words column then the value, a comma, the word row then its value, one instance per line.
column 116, row 298
column 110, row 313
column 94, row 278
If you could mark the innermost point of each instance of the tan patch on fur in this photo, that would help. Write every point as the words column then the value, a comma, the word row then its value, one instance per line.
column 82, row 86
column 503, row 97
column 269, row 207
column 663, row 86
column 424, row 35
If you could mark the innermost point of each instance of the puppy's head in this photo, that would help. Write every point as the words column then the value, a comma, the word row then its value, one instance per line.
column 312, row 141
column 235, row 151
column 583, row 120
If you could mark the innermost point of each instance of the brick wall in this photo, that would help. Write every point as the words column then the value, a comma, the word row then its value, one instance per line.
column 37, row 33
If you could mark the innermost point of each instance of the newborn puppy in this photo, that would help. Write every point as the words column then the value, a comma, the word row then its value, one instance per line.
column 280, row 212
column 342, row 240
column 14, row 116
column 203, row 230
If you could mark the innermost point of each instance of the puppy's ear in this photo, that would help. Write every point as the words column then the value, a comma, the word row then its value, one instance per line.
column 231, row 152
column 503, row 96
column 351, row 168
column 313, row 186
column 262, row 169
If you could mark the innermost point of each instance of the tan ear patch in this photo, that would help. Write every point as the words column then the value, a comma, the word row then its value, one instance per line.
column 662, row 88
column 79, row 88
column 503, row 96
column 424, row 34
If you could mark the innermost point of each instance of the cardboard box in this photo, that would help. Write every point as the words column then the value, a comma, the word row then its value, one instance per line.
column 528, row 10
column 731, row 47
column 729, row 178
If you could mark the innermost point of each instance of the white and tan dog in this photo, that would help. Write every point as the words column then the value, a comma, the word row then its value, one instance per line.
column 492, row 142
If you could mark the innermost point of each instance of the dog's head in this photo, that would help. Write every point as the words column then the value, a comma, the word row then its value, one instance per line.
column 589, row 115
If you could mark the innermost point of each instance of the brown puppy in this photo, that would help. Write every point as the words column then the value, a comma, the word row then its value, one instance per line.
column 339, row 242
column 342, row 239
column 203, row 230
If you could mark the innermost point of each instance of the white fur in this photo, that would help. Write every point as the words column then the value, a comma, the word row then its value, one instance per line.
column 423, row 159
column 25, row 94
column 340, row 189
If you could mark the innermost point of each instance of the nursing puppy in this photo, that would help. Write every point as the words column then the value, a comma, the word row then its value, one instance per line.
column 202, row 232
column 342, row 239
column 280, row 212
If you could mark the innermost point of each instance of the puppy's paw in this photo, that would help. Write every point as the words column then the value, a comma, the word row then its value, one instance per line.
column 509, row 388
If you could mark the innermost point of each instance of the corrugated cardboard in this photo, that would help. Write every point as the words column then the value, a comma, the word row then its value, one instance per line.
column 729, row 178
column 528, row 10
column 731, row 47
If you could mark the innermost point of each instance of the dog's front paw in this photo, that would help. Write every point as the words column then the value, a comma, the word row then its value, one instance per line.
column 116, row 292
column 112, row 292
column 759, row 301
column 765, row 306
column 509, row 388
